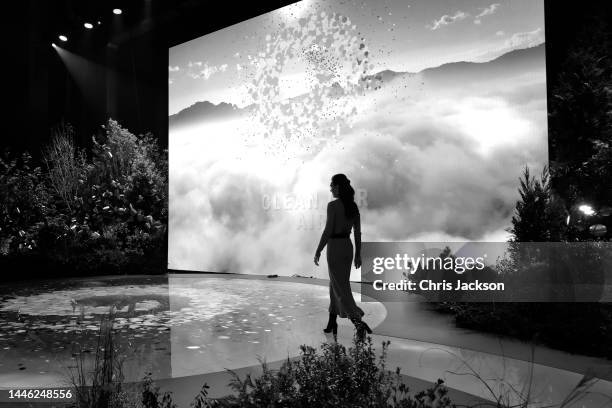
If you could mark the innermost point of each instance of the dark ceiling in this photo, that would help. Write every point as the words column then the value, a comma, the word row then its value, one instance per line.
column 171, row 22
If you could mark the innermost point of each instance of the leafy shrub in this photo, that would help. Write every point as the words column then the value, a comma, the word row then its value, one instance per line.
column 584, row 327
column 135, row 166
column 107, row 214
column 24, row 200
column 151, row 397
column 331, row 377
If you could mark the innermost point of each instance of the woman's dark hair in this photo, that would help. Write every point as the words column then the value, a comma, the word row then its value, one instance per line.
column 347, row 195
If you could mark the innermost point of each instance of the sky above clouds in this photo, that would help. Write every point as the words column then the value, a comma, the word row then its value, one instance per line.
column 401, row 35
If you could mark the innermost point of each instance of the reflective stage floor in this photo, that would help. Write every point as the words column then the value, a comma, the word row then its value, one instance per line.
column 188, row 328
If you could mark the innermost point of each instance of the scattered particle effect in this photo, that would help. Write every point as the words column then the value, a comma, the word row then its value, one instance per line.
column 335, row 59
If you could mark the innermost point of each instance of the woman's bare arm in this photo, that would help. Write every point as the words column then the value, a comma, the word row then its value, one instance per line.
column 357, row 235
column 329, row 226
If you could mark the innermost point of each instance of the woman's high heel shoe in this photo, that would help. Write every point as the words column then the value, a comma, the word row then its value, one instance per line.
column 362, row 328
column 332, row 325
column 331, row 329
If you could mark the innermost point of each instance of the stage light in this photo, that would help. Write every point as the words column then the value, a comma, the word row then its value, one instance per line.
column 63, row 38
column 117, row 11
column 99, row 22
column 88, row 26
column 53, row 45
column 586, row 209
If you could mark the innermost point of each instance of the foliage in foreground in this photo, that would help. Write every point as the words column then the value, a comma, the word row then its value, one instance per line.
column 101, row 385
column 333, row 376
column 330, row 377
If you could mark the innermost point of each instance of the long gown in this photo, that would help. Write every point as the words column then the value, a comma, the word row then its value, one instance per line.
column 339, row 260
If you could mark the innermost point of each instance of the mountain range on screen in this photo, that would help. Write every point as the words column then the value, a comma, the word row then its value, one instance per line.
column 455, row 74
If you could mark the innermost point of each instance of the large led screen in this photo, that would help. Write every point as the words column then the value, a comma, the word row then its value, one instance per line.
column 431, row 108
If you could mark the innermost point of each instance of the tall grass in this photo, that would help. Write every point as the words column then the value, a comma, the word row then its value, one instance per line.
column 505, row 394
column 101, row 385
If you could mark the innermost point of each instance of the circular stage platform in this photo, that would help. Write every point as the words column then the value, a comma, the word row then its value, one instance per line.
column 187, row 329
column 173, row 326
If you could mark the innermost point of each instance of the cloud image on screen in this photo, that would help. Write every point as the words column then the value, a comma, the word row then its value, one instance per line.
column 431, row 108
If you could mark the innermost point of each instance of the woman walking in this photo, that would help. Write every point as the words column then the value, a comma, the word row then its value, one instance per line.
column 342, row 216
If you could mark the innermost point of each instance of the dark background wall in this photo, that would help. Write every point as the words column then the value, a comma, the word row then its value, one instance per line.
column 120, row 69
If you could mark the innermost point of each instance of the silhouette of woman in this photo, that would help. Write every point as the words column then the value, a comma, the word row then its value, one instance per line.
column 342, row 216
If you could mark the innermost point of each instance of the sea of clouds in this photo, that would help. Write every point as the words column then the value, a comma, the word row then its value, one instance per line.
column 430, row 163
